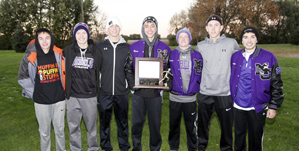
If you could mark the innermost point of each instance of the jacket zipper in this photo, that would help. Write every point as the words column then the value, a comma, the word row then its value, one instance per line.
column 113, row 78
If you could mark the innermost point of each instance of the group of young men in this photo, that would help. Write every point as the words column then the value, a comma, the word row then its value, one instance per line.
column 244, row 86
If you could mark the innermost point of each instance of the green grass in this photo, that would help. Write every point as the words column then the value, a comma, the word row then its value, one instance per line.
column 19, row 128
column 280, row 48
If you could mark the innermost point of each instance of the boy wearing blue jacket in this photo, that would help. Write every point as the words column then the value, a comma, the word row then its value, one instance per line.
column 186, row 67
column 256, row 89
column 146, row 100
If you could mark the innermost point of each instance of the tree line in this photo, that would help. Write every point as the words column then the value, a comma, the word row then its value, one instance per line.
column 277, row 20
column 21, row 18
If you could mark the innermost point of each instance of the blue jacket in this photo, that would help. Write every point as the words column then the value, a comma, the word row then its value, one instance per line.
column 137, row 50
column 266, row 83
column 195, row 79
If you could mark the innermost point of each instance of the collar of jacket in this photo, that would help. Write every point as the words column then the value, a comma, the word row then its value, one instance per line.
column 256, row 52
column 32, row 50
column 121, row 39
column 217, row 41
column 189, row 49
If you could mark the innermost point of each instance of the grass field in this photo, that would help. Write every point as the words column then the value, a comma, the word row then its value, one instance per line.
column 19, row 128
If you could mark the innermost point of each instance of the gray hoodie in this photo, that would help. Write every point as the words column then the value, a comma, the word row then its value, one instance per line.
column 216, row 65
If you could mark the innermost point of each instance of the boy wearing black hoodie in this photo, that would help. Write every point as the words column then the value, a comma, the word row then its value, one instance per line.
column 82, row 77
column 41, row 75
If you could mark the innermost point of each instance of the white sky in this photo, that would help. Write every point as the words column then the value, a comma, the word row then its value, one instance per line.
column 132, row 12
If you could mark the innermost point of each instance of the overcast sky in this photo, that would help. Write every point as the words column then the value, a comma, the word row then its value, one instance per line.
column 132, row 12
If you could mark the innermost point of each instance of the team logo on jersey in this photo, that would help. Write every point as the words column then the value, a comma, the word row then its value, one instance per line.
column 263, row 71
column 162, row 53
column 278, row 70
column 197, row 66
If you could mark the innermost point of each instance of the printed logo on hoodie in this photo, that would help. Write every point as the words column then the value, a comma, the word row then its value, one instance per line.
column 48, row 73
column 83, row 63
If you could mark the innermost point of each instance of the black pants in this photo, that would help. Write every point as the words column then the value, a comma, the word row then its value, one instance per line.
column 254, row 123
column 120, row 103
column 223, row 107
column 175, row 113
column 141, row 105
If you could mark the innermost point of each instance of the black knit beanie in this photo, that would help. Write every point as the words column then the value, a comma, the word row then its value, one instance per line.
column 250, row 29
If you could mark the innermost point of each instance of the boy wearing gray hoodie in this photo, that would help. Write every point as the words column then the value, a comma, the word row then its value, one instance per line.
column 214, row 95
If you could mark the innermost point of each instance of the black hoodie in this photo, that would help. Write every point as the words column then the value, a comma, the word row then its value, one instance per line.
column 48, row 88
column 84, row 82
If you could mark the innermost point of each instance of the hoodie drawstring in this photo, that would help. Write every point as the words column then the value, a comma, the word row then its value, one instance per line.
column 82, row 53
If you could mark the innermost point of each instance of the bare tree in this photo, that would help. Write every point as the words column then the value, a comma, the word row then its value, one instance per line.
column 99, row 27
column 236, row 14
column 178, row 21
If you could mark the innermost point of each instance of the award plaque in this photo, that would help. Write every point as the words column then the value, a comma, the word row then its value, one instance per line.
column 149, row 73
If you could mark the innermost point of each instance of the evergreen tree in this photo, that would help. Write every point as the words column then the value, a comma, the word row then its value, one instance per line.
column 59, row 16
column 19, row 39
column 294, row 37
